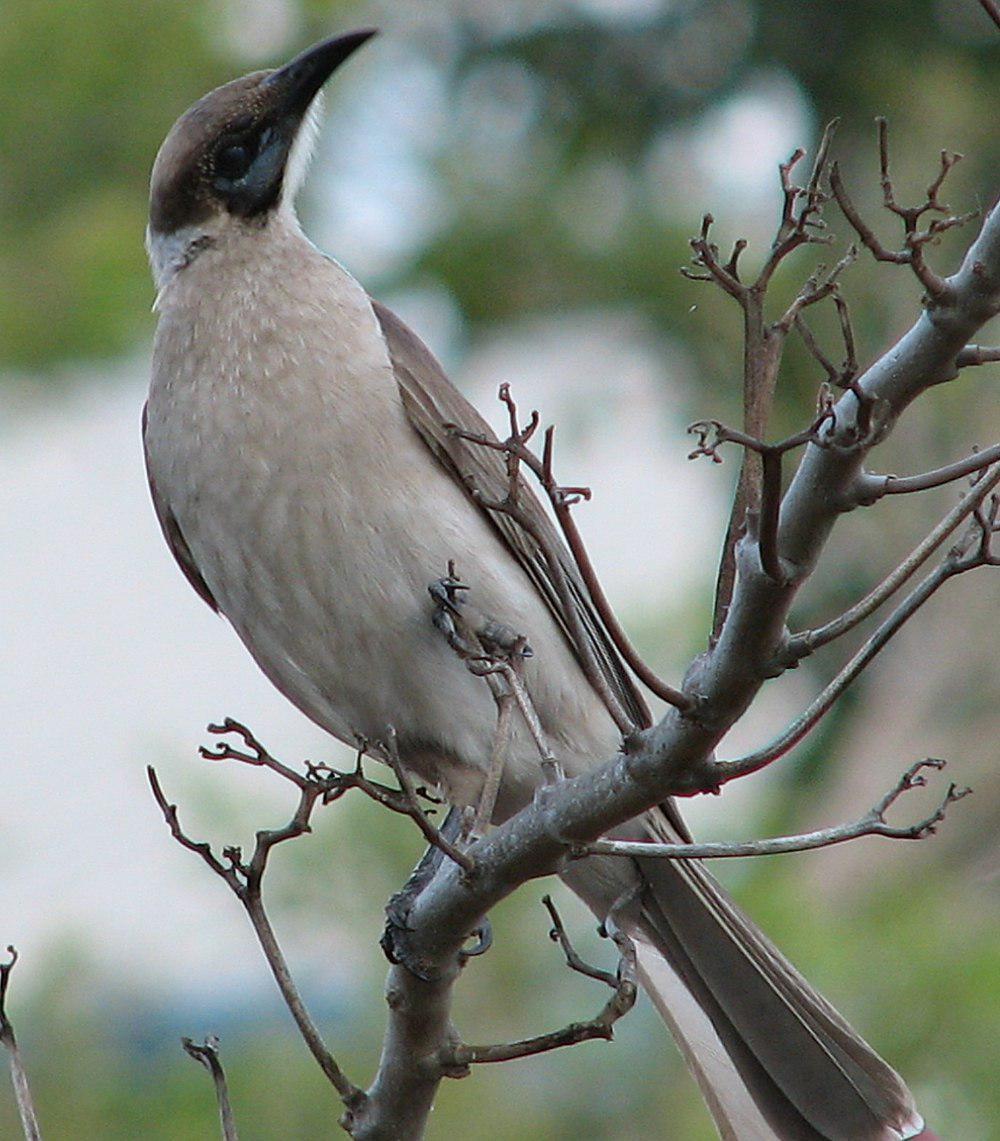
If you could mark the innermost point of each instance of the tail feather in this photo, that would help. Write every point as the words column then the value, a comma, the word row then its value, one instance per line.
column 774, row 1060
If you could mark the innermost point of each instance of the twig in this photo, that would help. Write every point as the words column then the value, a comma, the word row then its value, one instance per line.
column 499, row 753
column 873, row 823
column 964, row 556
column 706, row 256
column 18, row 1074
column 758, row 489
column 712, row 434
column 977, row 355
column 244, row 880
column 802, row 644
column 622, row 984
column 207, row 1054
column 516, row 453
column 843, row 375
column 915, row 239
column 871, row 487
column 526, row 707
column 573, row 961
column 415, row 810
column 797, row 228
column 562, row 500
column 992, row 9
column 495, row 653
column 322, row 782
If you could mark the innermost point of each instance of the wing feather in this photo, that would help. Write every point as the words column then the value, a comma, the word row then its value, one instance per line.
column 171, row 529
column 431, row 401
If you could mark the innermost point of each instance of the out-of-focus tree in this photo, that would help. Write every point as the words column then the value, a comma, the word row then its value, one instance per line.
column 563, row 172
column 84, row 91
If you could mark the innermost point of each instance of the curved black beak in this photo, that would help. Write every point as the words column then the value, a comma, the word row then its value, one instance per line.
column 297, row 83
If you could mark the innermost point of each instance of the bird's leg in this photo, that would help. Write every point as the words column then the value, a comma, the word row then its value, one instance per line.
column 449, row 614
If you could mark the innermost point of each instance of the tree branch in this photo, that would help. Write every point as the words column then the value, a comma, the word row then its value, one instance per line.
column 244, row 880
column 675, row 756
column 763, row 348
column 764, row 523
column 207, row 1055
column 915, row 240
column 977, row 355
column 624, row 993
column 964, row 556
column 563, row 499
column 805, row 643
column 18, row 1074
column 873, row 823
column 870, row 487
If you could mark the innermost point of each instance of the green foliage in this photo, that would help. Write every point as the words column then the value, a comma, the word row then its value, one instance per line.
column 85, row 91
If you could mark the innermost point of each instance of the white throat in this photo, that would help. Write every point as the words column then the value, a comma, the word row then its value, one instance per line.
column 170, row 253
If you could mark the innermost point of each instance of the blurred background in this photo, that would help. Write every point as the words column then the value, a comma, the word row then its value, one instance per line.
column 519, row 180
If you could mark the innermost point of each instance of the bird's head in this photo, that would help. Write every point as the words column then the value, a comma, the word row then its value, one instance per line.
column 239, row 152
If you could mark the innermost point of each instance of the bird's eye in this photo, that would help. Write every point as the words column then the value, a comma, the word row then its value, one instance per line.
column 233, row 162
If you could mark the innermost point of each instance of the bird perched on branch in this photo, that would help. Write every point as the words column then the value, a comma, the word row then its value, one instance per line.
column 307, row 483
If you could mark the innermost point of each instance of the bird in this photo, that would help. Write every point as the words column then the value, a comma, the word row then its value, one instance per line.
column 306, row 471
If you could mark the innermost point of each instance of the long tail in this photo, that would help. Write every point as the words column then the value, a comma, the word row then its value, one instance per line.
column 775, row 1062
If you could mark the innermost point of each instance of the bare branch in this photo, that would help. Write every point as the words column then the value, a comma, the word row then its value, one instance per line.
column 915, row 239
column 499, row 752
column 254, row 752
column 977, row 355
column 18, row 1074
column 558, row 935
column 712, row 434
column 873, row 823
column 562, row 500
column 675, row 756
column 415, row 810
column 800, row 645
column 624, row 988
column 244, row 880
column 963, row 556
column 842, row 375
column 322, row 782
column 818, row 286
column 801, row 208
column 992, row 9
column 207, row 1054
column 871, row 487
column 706, row 256
column 200, row 847
column 516, row 453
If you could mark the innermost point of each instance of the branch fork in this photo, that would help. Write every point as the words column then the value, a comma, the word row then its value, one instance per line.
column 624, row 989
column 915, row 240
